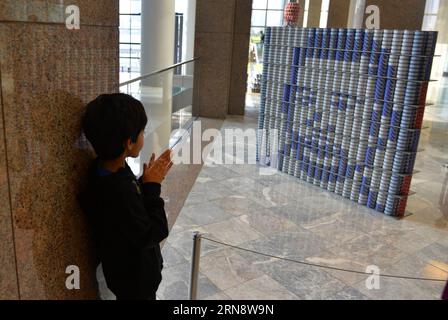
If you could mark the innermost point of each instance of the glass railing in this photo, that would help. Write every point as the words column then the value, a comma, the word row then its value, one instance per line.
column 167, row 96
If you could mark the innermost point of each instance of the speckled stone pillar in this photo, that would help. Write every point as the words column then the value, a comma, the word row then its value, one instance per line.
column 48, row 73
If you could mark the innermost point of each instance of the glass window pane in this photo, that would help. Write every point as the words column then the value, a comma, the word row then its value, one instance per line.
column 136, row 36
column 125, row 22
column 124, row 50
column 125, row 64
column 136, row 6
column 256, row 32
column 275, row 19
column 125, row 35
column 136, row 22
column 325, row 5
column 258, row 17
column 135, row 51
column 256, row 37
column 276, row 4
column 135, row 65
column 260, row 4
column 125, row 6
column 307, row 5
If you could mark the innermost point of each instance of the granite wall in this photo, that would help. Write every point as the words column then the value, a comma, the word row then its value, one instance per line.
column 47, row 74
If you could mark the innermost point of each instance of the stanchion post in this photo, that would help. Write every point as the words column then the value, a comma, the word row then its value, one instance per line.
column 195, row 260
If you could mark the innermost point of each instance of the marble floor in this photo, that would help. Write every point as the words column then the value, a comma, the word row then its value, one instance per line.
column 282, row 216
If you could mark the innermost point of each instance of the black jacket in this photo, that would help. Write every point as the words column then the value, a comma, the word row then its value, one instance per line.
column 129, row 222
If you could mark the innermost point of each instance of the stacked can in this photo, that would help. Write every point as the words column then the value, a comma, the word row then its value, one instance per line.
column 362, row 146
column 339, row 163
column 330, row 160
column 332, row 45
column 372, row 174
column 310, row 138
column 325, row 52
column 345, row 185
column 349, row 105
column 354, row 174
column 303, row 138
column 361, row 180
column 407, row 139
column 341, row 46
column 321, row 118
column 397, row 110
column 293, row 108
column 322, row 172
column 295, row 128
column 328, row 127
column 405, row 94
column 310, row 40
column 349, row 50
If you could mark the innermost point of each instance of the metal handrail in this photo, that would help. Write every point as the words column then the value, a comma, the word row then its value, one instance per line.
column 157, row 72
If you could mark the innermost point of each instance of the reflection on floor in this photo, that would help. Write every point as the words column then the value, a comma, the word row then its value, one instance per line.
column 283, row 216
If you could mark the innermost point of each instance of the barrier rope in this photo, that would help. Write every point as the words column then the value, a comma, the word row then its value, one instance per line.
column 322, row 266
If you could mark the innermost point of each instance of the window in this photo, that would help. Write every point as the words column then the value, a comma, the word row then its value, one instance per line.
column 268, row 13
column 324, row 13
column 265, row 13
column 430, row 17
column 130, row 35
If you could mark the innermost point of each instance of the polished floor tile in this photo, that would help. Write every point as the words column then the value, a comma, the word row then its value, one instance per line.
column 263, row 288
column 279, row 215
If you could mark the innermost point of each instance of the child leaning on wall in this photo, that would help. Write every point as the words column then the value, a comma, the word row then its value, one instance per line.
column 127, row 214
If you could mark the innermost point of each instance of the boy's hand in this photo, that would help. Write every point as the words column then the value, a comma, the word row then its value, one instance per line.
column 156, row 170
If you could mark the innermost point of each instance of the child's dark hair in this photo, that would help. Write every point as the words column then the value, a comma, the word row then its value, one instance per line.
column 111, row 119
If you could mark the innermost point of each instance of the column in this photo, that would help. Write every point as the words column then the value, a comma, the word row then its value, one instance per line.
column 157, row 35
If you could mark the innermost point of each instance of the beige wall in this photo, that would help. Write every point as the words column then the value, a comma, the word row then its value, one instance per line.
column 402, row 14
column 338, row 13
column 47, row 74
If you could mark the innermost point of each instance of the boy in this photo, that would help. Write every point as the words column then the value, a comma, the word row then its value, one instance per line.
column 127, row 215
